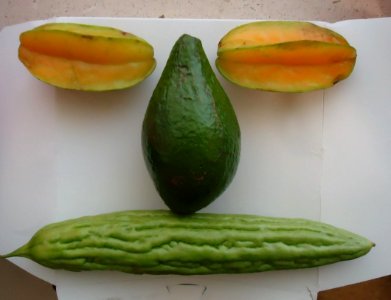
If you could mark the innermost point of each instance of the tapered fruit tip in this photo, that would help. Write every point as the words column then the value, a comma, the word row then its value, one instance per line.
column 6, row 255
column 370, row 246
column 187, row 37
column 21, row 251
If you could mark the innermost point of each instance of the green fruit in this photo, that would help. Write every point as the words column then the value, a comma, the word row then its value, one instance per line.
column 160, row 242
column 190, row 135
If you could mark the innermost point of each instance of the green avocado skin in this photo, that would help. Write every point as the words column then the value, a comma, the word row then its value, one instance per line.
column 190, row 133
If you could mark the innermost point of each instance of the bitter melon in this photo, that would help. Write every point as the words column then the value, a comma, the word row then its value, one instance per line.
column 160, row 242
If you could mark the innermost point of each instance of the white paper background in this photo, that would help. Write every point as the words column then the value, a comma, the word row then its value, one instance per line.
column 319, row 155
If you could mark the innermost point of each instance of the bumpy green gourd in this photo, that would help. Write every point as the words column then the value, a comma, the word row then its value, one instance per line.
column 159, row 242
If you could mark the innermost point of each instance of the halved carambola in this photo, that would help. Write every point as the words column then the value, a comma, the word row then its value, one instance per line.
column 86, row 57
column 284, row 56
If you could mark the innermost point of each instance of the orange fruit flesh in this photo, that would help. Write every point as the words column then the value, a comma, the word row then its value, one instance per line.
column 75, row 74
column 291, row 53
column 275, row 77
column 87, row 48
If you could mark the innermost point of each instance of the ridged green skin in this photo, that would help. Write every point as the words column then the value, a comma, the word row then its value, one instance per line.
column 190, row 134
column 160, row 242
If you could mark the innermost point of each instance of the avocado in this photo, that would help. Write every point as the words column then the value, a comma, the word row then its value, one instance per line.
column 190, row 133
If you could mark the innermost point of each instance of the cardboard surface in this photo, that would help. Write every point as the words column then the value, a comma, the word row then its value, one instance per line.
column 374, row 289
column 319, row 155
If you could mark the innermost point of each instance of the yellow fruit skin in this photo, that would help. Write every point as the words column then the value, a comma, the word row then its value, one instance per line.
column 284, row 56
column 86, row 57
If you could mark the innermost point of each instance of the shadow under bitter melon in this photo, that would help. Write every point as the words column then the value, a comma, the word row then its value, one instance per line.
column 190, row 134
column 160, row 242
